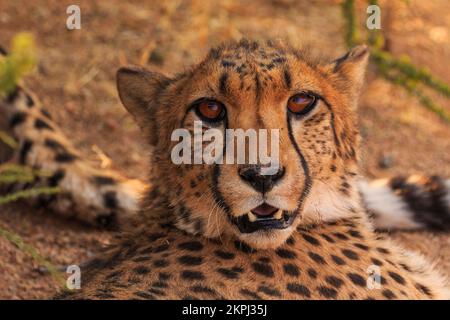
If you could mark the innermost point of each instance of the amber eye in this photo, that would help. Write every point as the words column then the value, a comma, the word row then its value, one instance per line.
column 301, row 103
column 210, row 110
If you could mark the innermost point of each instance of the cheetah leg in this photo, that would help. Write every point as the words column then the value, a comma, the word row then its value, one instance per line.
column 91, row 195
column 414, row 202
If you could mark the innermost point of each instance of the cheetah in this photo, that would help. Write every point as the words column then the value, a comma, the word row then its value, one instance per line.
column 211, row 231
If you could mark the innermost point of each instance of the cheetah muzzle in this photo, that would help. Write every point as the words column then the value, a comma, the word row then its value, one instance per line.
column 264, row 217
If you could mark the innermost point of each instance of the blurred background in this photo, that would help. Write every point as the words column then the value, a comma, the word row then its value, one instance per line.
column 75, row 82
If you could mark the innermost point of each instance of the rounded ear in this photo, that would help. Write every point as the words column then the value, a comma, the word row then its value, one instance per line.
column 138, row 90
column 351, row 67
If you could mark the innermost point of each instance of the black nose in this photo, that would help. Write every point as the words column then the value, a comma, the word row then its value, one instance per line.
column 262, row 183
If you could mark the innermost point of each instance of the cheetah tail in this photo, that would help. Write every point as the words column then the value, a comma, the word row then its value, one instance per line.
column 413, row 202
column 96, row 196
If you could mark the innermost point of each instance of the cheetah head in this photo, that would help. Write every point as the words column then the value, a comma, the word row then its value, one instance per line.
column 250, row 85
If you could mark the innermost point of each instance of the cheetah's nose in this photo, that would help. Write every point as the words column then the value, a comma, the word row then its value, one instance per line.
column 262, row 183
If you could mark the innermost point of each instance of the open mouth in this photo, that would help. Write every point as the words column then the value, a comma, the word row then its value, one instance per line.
column 264, row 217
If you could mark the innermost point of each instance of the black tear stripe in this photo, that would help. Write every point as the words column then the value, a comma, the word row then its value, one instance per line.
column 218, row 198
column 308, row 180
column 24, row 150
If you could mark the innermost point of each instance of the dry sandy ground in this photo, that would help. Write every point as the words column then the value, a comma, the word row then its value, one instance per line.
column 75, row 81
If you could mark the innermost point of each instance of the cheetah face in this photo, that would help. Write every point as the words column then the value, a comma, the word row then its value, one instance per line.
column 252, row 86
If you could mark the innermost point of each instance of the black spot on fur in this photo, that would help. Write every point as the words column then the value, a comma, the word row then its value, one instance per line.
column 290, row 241
column 340, row 236
column 191, row 246
column 377, row 262
column 298, row 289
column 291, row 269
column 161, row 248
column 334, row 281
column 316, row 257
column 251, row 294
column 242, row 246
column 54, row 180
column 231, row 273
column 328, row 238
column 163, row 276
column 54, row 145
column 263, row 269
column 388, row 294
column 29, row 101
column 161, row 263
column 110, row 200
column 46, row 113
column 155, row 236
column 203, row 289
column 357, row 279
column 24, row 150
column 17, row 119
column 227, row 64
column 192, row 275
column 144, row 295
column 190, row 260
column 311, row 239
column 383, row 250
column 327, row 292
column 224, row 254
column 41, row 124
column 355, row 234
column 398, row 278
column 141, row 270
column 269, row 291
column 285, row 253
column 13, row 96
column 312, row 273
column 160, row 284
column 65, row 157
column 424, row 289
column 104, row 180
column 361, row 246
column 350, row 254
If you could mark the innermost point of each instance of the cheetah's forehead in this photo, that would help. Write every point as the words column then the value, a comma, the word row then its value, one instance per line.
column 263, row 55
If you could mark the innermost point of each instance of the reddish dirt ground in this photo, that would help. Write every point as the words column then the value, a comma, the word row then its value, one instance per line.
column 75, row 81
